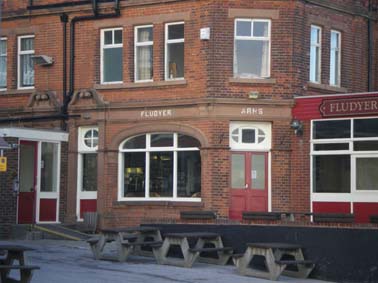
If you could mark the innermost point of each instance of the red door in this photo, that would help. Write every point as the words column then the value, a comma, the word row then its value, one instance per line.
column 249, row 183
column 28, row 182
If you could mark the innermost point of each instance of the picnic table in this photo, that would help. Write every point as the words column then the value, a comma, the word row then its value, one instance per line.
column 277, row 256
column 128, row 240
column 190, row 255
column 8, row 255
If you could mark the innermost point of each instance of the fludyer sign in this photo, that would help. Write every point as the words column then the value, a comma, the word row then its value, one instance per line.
column 349, row 107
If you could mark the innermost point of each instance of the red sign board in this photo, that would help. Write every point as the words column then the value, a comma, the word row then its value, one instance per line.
column 349, row 107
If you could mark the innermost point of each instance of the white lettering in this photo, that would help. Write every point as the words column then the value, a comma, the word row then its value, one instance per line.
column 156, row 113
column 252, row 111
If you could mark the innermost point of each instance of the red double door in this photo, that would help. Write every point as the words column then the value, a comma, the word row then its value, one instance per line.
column 249, row 183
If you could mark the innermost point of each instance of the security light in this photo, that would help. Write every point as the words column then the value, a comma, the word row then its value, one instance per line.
column 42, row 60
column 297, row 126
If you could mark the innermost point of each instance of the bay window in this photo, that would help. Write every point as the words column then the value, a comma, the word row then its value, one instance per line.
column 252, row 48
column 344, row 156
column 25, row 62
column 160, row 166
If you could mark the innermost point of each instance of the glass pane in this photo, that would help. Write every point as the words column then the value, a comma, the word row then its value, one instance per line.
column 365, row 128
column 334, row 40
column 3, row 47
column 161, row 174
column 366, row 174
column 161, row 140
column 3, row 71
column 258, row 172
column 144, row 62
column 175, row 60
column 27, row 70
column 113, row 65
column 314, row 64
column 176, row 31
column 137, row 142
column 238, row 171
column 187, row 141
column 260, row 29
column 145, row 34
column 189, row 174
column 243, row 28
column 27, row 44
column 108, row 37
column 248, row 136
column 49, row 167
column 332, row 146
column 134, row 174
column 89, row 182
column 331, row 129
column 252, row 58
column 27, row 167
column 88, row 134
column 118, row 36
column 315, row 35
column 366, row 145
column 331, row 174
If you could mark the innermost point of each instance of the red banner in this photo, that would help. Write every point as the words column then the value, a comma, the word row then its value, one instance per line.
column 349, row 107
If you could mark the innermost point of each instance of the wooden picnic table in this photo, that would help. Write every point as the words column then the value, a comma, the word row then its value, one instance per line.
column 128, row 240
column 10, row 254
column 275, row 255
column 190, row 255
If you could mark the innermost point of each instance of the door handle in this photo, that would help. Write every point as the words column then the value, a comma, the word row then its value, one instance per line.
column 246, row 186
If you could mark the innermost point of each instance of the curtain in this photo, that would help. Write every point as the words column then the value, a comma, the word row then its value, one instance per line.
column 144, row 60
column 3, row 71
column 265, row 59
column 27, row 70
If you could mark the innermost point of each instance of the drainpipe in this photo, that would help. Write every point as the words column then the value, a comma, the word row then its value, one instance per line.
column 73, row 22
column 64, row 20
column 370, row 49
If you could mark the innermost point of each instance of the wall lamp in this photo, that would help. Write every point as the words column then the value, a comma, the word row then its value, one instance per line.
column 42, row 60
column 297, row 126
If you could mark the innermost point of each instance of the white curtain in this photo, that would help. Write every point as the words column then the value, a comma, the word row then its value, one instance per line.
column 144, row 60
column 265, row 59
column 3, row 71
column 27, row 70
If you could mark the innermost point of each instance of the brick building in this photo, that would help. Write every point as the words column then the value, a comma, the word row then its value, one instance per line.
column 141, row 109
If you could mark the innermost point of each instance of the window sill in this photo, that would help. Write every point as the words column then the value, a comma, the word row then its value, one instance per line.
column 16, row 91
column 158, row 203
column 252, row 81
column 139, row 85
column 327, row 87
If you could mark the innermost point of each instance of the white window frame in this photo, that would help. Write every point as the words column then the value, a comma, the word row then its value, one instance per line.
column 147, row 150
column 83, row 149
column 172, row 41
column 254, row 38
column 19, row 53
column 109, row 46
column 316, row 45
column 6, row 62
column 141, row 44
column 354, row 195
column 338, row 67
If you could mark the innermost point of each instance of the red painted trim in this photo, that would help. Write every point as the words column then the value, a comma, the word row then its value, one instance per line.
column 47, row 210
column 362, row 211
column 87, row 205
column 331, row 207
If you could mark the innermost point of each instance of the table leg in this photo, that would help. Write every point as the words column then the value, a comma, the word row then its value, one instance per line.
column 123, row 250
column 98, row 247
column 303, row 271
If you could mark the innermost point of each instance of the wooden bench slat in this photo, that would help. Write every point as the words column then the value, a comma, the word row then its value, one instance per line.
column 30, row 267
column 291, row 262
column 225, row 249
column 147, row 243
column 282, row 246
column 237, row 255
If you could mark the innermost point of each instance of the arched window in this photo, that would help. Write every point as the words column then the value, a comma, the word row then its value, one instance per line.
column 160, row 166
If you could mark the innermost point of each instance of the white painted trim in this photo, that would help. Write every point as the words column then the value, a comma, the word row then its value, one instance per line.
column 166, row 43
column 19, row 53
column 108, row 46
column 34, row 134
column 270, row 181
column 254, row 38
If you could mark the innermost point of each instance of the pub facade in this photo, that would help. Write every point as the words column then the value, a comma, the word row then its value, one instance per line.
column 141, row 110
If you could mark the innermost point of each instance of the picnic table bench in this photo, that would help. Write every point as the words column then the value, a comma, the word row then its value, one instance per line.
column 191, row 254
column 128, row 240
column 8, row 255
column 277, row 257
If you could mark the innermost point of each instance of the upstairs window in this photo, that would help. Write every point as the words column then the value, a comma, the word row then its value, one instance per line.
column 315, row 54
column 144, row 45
column 335, row 59
column 111, row 56
column 252, row 48
column 25, row 62
column 174, row 48
column 3, row 63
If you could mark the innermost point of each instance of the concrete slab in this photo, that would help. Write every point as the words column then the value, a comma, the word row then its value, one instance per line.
column 71, row 262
